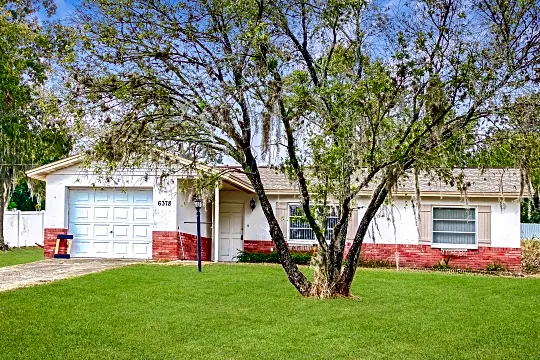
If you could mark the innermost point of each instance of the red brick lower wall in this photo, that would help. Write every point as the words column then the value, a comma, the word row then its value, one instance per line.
column 49, row 241
column 263, row 246
column 421, row 256
column 425, row 256
column 172, row 245
column 165, row 245
column 188, row 247
column 267, row 246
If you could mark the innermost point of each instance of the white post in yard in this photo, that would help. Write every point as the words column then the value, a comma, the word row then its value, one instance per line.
column 43, row 226
column 216, row 224
column 212, row 232
column 18, row 228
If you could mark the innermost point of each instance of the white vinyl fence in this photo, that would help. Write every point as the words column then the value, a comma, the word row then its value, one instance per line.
column 529, row 231
column 23, row 228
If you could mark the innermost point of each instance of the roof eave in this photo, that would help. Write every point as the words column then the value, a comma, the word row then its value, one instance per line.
column 41, row 172
column 452, row 194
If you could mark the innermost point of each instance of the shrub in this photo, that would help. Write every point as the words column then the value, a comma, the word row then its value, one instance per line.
column 442, row 264
column 496, row 267
column 300, row 258
column 530, row 255
column 372, row 263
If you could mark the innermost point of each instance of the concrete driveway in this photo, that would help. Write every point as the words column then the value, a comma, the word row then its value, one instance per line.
column 16, row 276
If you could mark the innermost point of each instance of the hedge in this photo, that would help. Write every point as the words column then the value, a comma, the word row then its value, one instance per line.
column 300, row 258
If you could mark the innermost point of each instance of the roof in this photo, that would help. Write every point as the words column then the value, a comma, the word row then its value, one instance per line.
column 483, row 182
column 477, row 181
column 41, row 172
column 480, row 182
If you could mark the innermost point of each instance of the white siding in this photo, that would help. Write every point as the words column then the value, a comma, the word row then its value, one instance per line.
column 59, row 182
column 180, row 216
column 187, row 216
column 505, row 221
column 255, row 224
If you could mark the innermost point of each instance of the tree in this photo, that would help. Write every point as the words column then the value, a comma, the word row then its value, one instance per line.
column 344, row 96
column 28, row 133
column 513, row 140
column 23, row 200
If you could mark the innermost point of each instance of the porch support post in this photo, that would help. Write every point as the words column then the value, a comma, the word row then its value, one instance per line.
column 216, row 224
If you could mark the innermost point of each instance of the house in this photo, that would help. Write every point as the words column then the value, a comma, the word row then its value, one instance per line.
column 133, row 215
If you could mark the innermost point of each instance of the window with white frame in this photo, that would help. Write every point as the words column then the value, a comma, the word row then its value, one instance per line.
column 454, row 227
column 299, row 228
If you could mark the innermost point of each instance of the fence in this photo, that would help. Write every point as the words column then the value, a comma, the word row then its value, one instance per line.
column 529, row 231
column 23, row 228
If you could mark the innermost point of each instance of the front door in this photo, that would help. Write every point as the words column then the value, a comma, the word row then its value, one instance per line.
column 230, row 231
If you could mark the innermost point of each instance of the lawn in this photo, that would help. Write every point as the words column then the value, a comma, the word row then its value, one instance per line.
column 251, row 312
column 20, row 256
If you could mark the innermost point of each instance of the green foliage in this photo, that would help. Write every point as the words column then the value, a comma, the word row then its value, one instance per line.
column 530, row 208
column 300, row 258
column 342, row 96
column 516, row 144
column 32, row 129
column 443, row 264
column 23, row 200
column 495, row 267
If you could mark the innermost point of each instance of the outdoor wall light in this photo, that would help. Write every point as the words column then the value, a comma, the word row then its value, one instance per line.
column 252, row 204
column 198, row 203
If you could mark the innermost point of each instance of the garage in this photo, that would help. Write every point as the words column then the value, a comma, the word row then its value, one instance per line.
column 111, row 223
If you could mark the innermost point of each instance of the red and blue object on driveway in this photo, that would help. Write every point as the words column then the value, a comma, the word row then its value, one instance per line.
column 60, row 240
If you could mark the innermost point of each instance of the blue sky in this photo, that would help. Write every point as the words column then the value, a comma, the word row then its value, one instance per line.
column 63, row 9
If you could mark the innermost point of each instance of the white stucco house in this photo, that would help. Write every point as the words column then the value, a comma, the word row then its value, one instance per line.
column 136, row 216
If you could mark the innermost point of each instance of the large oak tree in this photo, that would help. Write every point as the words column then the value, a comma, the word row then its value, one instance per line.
column 343, row 96
column 31, row 130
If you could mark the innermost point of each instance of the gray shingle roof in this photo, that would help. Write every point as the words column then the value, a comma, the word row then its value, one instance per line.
column 477, row 181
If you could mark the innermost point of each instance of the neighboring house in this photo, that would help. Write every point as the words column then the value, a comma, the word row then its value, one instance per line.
column 131, row 216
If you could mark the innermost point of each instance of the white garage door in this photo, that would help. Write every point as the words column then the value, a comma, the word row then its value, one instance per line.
column 111, row 223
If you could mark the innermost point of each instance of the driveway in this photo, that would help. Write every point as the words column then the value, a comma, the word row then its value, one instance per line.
column 12, row 277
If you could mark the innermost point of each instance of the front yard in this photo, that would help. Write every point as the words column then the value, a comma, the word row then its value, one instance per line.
column 20, row 256
column 251, row 311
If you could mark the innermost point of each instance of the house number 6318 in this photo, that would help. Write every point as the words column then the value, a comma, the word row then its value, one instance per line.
column 164, row 203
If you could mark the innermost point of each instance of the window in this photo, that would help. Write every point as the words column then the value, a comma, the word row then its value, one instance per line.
column 299, row 228
column 454, row 227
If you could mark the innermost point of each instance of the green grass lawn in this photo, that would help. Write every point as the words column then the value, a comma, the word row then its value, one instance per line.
column 20, row 256
column 251, row 312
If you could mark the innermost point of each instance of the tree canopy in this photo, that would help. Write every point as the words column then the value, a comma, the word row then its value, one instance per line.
column 343, row 96
column 514, row 141
column 31, row 131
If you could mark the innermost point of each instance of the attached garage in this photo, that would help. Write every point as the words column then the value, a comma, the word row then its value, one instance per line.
column 111, row 223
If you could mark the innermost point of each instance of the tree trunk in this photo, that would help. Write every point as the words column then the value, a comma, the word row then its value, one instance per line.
column 343, row 287
column 334, row 282
column 335, row 260
column 296, row 277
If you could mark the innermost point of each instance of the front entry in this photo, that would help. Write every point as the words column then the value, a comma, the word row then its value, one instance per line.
column 230, row 231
